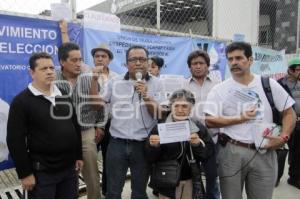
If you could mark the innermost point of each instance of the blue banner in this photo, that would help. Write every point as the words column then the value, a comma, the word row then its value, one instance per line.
column 19, row 38
column 174, row 50
column 216, row 51
column 267, row 62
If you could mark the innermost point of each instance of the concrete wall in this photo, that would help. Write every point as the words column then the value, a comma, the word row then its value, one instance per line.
column 236, row 17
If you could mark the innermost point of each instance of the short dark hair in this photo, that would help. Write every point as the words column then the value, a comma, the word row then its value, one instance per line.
column 158, row 61
column 182, row 93
column 244, row 46
column 65, row 48
column 35, row 56
column 198, row 53
column 136, row 47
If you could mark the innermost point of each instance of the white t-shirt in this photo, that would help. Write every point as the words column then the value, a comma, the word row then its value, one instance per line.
column 4, row 108
column 231, row 98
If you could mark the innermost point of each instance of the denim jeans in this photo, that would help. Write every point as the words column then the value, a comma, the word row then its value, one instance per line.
column 121, row 155
column 212, row 188
column 212, row 183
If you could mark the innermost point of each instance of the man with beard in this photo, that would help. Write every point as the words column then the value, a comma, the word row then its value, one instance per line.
column 240, row 106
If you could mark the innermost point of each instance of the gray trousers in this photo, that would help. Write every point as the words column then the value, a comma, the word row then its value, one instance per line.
column 237, row 168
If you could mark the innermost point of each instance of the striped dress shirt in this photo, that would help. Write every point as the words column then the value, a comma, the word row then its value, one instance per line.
column 81, row 98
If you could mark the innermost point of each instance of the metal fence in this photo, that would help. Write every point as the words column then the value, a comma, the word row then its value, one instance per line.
column 278, row 26
column 189, row 16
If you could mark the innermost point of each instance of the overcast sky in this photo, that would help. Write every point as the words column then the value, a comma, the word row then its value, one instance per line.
column 37, row 6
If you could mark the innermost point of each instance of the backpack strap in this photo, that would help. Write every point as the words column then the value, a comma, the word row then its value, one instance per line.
column 265, row 80
column 267, row 89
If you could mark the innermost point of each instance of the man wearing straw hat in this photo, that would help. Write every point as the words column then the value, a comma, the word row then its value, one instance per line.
column 102, row 57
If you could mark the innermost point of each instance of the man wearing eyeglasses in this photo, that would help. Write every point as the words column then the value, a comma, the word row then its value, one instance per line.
column 132, row 98
column 77, row 84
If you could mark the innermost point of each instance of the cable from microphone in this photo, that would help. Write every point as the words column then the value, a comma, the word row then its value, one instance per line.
column 138, row 77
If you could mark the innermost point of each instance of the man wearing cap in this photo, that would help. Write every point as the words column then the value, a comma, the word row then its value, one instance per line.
column 291, row 84
column 102, row 56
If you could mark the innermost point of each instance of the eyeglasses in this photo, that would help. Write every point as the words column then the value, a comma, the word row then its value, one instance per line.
column 136, row 59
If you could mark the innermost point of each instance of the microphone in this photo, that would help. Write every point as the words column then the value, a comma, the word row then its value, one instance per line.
column 138, row 77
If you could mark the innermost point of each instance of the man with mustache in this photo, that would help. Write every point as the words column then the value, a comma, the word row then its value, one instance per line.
column 240, row 106
column 43, row 136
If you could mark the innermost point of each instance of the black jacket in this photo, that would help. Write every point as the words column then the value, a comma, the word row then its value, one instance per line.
column 34, row 135
column 172, row 151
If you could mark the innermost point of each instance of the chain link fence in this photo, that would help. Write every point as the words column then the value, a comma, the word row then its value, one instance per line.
column 189, row 16
column 278, row 26
column 278, row 20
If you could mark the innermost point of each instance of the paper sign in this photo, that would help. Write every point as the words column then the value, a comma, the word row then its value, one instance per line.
column 101, row 21
column 60, row 11
column 241, row 97
column 174, row 132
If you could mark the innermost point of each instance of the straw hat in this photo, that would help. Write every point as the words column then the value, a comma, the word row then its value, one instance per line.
column 104, row 47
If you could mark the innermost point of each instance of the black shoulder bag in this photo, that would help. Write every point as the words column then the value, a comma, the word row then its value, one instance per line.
column 166, row 174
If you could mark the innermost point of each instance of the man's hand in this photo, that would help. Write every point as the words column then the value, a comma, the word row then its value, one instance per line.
column 28, row 182
column 154, row 140
column 63, row 25
column 275, row 142
column 78, row 165
column 249, row 114
column 141, row 88
column 97, row 70
column 99, row 134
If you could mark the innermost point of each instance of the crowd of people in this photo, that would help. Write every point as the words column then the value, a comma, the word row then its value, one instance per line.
column 58, row 124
